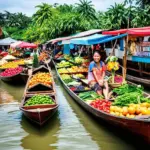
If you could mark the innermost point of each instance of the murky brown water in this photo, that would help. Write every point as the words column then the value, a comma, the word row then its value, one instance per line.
column 70, row 129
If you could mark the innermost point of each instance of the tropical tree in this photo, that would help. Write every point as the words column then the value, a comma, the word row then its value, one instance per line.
column 65, row 8
column 2, row 19
column 118, row 15
column 143, row 3
column 43, row 14
column 86, row 9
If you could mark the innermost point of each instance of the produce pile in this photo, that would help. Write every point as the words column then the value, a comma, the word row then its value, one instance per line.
column 130, row 102
column 75, row 69
column 78, row 60
column 64, row 64
column 80, row 76
column 90, row 96
column 43, row 56
column 79, row 88
column 58, row 55
column 13, row 64
column 40, row 78
column 11, row 72
column 131, row 111
column 103, row 105
column 117, row 79
column 63, row 70
column 39, row 99
column 66, row 78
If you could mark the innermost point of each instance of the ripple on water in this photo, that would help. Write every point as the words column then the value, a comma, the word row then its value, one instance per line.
column 11, row 132
column 72, row 134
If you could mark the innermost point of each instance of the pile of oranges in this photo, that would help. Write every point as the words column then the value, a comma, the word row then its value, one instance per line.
column 131, row 111
column 43, row 56
column 40, row 78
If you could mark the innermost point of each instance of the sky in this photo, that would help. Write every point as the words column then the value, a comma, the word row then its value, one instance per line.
column 28, row 6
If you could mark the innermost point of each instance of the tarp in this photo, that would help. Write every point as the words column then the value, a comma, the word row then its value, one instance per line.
column 112, row 38
column 89, row 40
column 22, row 44
column 145, row 31
column 95, row 39
column 7, row 41
column 78, row 35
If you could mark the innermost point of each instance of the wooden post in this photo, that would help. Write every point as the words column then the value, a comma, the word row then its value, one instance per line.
column 125, row 58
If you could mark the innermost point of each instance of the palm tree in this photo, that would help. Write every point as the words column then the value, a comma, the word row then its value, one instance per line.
column 44, row 13
column 118, row 15
column 143, row 3
column 2, row 19
column 65, row 8
column 86, row 9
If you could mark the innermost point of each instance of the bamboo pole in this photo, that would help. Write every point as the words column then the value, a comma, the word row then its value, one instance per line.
column 125, row 58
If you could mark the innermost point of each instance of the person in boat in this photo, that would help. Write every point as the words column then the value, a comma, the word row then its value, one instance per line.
column 96, row 74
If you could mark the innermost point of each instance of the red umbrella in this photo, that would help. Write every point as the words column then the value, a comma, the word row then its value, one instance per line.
column 27, row 45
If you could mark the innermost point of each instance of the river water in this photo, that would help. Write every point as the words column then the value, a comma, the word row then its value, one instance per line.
column 71, row 128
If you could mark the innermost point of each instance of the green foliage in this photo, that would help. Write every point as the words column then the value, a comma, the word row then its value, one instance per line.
column 35, row 61
column 52, row 21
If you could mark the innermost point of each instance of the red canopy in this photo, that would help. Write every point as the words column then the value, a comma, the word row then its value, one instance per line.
column 22, row 44
column 145, row 31
column 26, row 45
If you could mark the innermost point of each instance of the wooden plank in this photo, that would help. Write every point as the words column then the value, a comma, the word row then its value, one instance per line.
column 144, row 72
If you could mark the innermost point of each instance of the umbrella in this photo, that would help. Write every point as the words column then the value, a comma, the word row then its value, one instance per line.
column 22, row 44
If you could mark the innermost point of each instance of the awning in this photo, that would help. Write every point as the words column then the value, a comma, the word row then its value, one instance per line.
column 78, row 35
column 95, row 39
column 22, row 44
column 132, row 31
column 89, row 40
column 7, row 41
column 112, row 38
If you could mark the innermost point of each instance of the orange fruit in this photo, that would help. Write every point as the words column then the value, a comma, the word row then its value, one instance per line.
column 125, row 111
column 138, row 110
column 131, row 110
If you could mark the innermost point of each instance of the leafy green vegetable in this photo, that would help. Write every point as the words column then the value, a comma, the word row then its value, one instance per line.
column 39, row 99
column 91, row 95
column 126, row 88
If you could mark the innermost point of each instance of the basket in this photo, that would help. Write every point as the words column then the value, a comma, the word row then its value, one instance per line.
column 115, row 85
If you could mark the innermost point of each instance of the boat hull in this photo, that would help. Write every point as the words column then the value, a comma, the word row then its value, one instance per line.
column 39, row 116
column 136, row 126
column 16, row 78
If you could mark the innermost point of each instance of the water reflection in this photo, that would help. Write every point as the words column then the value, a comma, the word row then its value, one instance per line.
column 70, row 129
column 10, row 131
column 13, row 92
column 72, row 134
column 40, row 138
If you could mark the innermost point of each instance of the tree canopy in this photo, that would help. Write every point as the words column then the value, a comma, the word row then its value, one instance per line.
column 51, row 21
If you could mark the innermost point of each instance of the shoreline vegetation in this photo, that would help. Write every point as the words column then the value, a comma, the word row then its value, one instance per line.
column 58, row 20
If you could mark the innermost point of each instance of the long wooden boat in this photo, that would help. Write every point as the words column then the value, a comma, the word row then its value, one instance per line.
column 39, row 114
column 15, row 78
column 139, row 127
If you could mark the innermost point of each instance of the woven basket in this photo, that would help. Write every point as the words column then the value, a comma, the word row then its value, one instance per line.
column 115, row 85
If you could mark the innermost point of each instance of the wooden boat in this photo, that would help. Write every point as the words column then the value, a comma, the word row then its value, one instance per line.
column 15, row 78
column 39, row 114
column 139, row 127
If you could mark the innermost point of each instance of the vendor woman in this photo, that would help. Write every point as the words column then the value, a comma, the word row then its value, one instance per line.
column 96, row 75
